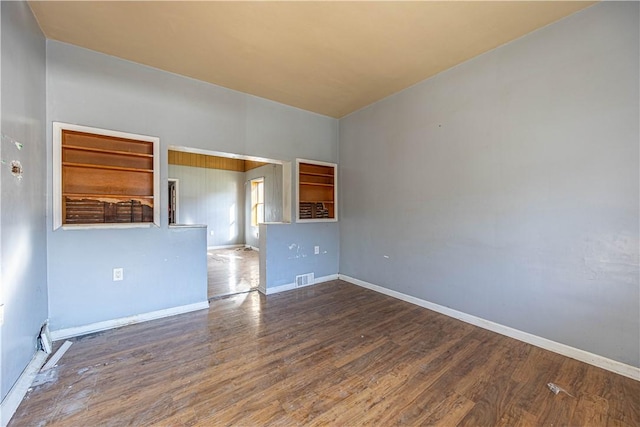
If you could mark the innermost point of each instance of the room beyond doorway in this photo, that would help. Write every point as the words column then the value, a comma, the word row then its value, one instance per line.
column 232, row 271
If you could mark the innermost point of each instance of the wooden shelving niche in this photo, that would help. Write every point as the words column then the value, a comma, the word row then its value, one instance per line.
column 106, row 179
column 317, row 199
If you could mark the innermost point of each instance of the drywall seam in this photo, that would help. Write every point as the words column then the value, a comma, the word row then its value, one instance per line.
column 556, row 347
column 123, row 321
column 20, row 388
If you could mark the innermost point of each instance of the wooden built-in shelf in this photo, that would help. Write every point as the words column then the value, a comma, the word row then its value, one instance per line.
column 317, row 174
column 105, row 196
column 106, row 179
column 100, row 150
column 317, row 184
column 115, row 168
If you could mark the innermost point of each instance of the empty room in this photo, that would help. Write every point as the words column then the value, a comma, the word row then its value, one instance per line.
column 439, row 201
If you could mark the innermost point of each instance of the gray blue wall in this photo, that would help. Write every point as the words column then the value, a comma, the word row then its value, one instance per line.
column 93, row 89
column 507, row 187
column 213, row 197
column 22, row 211
column 287, row 250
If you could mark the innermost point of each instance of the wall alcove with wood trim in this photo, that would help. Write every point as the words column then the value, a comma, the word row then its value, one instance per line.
column 106, row 177
column 317, row 191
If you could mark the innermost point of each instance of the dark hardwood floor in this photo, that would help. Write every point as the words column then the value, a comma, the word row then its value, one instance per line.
column 330, row 354
column 232, row 271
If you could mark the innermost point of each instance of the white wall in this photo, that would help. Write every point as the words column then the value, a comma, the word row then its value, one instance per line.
column 213, row 197
column 508, row 187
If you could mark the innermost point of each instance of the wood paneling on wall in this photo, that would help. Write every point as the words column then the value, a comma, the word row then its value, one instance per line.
column 211, row 162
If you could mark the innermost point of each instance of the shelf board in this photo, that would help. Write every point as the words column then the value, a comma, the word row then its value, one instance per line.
column 116, row 168
column 317, row 201
column 106, row 196
column 101, row 150
column 329, row 175
column 318, row 184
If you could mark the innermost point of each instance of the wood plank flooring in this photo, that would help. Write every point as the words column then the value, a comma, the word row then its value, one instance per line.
column 232, row 271
column 330, row 354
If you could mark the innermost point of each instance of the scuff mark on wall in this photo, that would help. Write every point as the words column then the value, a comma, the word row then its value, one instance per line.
column 14, row 166
column 613, row 256
column 7, row 138
column 16, row 169
column 298, row 249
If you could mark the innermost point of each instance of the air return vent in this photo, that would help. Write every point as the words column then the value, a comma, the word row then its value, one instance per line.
column 304, row 280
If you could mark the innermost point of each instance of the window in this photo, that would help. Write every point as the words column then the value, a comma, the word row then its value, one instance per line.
column 103, row 177
column 257, row 201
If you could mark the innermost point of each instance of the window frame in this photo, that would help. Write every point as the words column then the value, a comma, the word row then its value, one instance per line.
column 257, row 187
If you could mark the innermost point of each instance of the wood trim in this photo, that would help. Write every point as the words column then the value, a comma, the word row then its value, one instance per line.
column 251, row 164
column 197, row 160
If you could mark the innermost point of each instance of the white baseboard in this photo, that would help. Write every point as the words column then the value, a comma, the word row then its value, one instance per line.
column 290, row 286
column 211, row 248
column 11, row 402
column 123, row 321
column 556, row 347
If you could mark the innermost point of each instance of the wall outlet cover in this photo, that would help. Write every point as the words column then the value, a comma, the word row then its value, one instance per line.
column 118, row 274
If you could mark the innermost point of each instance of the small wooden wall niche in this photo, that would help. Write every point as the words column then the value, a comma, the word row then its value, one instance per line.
column 317, row 191
column 106, row 177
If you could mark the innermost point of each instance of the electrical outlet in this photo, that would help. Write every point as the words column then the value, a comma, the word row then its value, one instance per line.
column 118, row 274
column 316, row 250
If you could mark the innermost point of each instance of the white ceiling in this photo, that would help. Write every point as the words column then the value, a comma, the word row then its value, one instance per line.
column 328, row 57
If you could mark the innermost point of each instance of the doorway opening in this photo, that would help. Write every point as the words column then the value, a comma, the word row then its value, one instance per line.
column 173, row 201
column 232, row 195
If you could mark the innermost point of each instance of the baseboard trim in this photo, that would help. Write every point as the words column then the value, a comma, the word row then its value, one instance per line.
column 19, row 390
column 556, row 347
column 211, row 248
column 252, row 247
column 291, row 286
column 61, row 334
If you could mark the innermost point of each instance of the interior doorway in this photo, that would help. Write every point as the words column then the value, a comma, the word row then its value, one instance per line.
column 232, row 195
column 173, row 201
column 232, row 270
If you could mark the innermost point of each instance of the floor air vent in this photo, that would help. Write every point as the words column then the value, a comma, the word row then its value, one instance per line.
column 304, row 280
